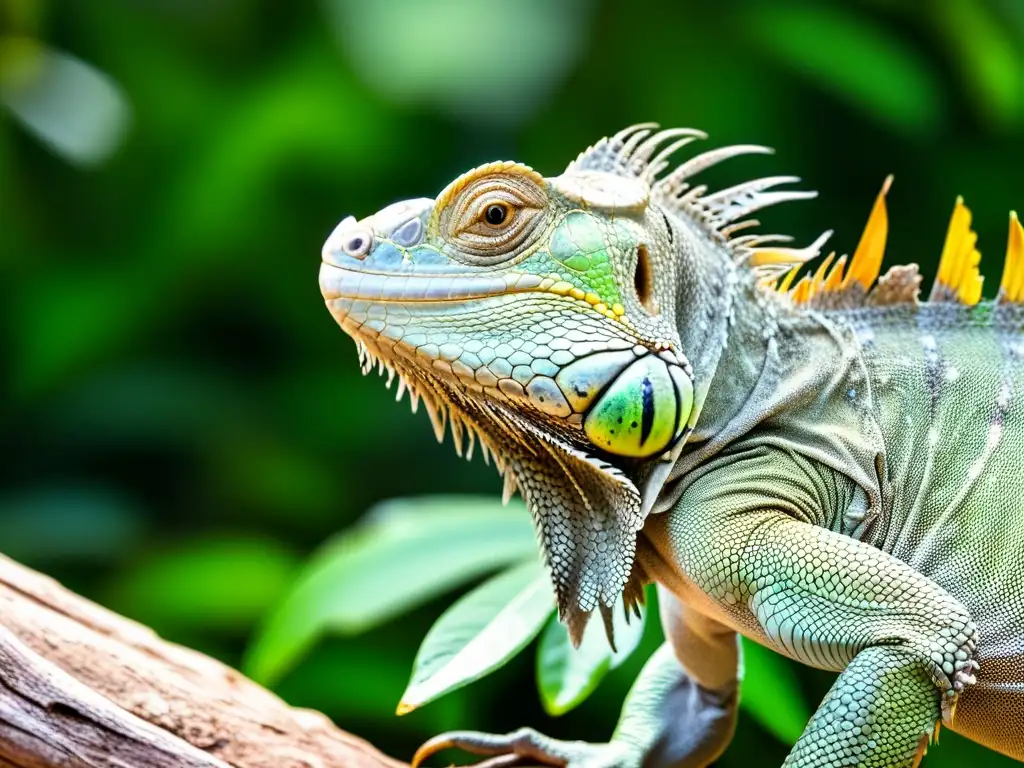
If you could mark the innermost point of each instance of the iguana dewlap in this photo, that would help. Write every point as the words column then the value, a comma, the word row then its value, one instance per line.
column 827, row 465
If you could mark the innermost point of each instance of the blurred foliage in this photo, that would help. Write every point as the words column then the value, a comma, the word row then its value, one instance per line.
column 404, row 553
column 183, row 423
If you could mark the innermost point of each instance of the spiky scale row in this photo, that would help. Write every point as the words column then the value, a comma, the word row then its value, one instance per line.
column 1012, row 287
column 634, row 153
column 674, row 184
column 867, row 259
column 958, row 277
column 772, row 263
column 465, row 434
column 836, row 286
column 728, row 205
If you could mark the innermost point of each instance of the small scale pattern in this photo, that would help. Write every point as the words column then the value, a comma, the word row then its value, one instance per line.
column 878, row 713
column 907, row 646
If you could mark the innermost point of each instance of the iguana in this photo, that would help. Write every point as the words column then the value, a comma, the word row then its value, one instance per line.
column 826, row 465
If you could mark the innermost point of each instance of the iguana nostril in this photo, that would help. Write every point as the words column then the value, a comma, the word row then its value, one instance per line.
column 349, row 238
column 357, row 244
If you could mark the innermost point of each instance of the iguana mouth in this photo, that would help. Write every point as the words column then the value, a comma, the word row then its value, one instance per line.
column 338, row 282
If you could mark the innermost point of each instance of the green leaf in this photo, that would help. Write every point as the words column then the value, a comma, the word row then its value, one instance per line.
column 771, row 692
column 72, row 107
column 373, row 672
column 443, row 52
column 566, row 676
column 986, row 57
column 406, row 552
column 857, row 60
column 216, row 583
column 479, row 633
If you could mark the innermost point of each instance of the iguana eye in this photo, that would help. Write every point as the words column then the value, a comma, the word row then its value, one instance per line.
column 494, row 218
column 495, row 214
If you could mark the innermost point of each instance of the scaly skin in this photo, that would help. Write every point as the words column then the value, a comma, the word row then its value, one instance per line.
column 829, row 470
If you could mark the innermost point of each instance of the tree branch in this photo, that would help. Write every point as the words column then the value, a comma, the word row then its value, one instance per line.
column 81, row 687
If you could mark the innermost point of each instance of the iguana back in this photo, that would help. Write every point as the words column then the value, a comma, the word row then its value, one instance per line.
column 948, row 381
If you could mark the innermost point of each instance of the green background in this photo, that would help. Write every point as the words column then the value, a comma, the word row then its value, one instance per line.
column 182, row 423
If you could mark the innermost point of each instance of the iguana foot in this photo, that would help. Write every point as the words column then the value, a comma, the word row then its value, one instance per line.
column 953, row 668
column 524, row 745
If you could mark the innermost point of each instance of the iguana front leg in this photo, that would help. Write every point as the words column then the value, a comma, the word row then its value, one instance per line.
column 881, row 712
column 906, row 644
column 668, row 719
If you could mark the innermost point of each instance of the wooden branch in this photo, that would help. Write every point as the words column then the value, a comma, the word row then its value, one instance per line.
column 81, row 687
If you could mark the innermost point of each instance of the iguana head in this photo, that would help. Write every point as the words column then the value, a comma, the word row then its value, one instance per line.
column 554, row 320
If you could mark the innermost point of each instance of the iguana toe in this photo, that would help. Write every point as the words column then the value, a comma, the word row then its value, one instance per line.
column 524, row 747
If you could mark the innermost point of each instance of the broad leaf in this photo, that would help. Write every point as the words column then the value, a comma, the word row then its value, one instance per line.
column 987, row 58
column 771, row 692
column 406, row 552
column 566, row 676
column 849, row 55
column 443, row 52
column 72, row 107
column 480, row 632
column 214, row 583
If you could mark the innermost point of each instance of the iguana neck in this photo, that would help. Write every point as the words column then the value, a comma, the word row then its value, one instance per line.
column 735, row 359
column 725, row 322
column 801, row 370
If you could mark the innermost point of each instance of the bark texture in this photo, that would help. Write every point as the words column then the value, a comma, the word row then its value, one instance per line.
column 81, row 687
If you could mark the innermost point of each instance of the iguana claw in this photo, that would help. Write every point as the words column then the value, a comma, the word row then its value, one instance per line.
column 522, row 743
column 501, row 761
column 520, row 746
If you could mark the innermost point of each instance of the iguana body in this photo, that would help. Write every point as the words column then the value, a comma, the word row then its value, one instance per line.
column 830, row 469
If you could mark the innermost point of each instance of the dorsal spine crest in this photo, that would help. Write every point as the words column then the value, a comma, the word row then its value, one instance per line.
column 642, row 152
column 1012, row 287
column 959, row 279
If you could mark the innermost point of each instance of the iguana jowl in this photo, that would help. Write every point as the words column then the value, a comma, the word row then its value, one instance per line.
column 830, row 468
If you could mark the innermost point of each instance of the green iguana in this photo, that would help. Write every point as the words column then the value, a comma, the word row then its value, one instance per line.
column 827, row 466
